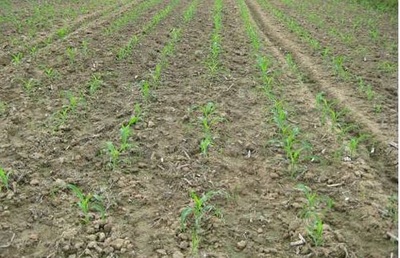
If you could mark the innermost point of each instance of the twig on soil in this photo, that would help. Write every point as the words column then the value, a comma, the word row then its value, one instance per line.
column 186, row 154
column 228, row 88
column 9, row 243
column 335, row 185
column 302, row 241
column 188, row 181
column 394, row 145
column 392, row 236
column 161, row 167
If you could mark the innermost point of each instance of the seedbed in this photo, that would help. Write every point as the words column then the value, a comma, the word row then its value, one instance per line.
column 187, row 128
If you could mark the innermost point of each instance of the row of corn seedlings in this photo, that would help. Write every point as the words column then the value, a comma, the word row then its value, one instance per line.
column 289, row 134
column 213, row 62
column 125, row 51
column 337, row 62
column 332, row 115
column 130, row 17
column 166, row 52
column 349, row 135
column 41, row 12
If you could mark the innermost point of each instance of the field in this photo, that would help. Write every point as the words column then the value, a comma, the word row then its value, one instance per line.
column 198, row 128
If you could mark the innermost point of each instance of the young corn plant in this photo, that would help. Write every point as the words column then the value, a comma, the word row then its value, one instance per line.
column 205, row 144
column 125, row 132
column 354, row 143
column 4, row 179
column 94, row 83
column 194, row 215
column 17, row 58
column 114, row 153
column 312, row 213
column 137, row 115
column 71, row 53
column 87, row 202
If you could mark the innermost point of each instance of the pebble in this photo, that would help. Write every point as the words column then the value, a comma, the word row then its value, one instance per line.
column 92, row 244
column 91, row 237
column 117, row 243
column 34, row 182
column 259, row 230
column 107, row 228
column 142, row 165
column 177, row 254
column 161, row 251
column 101, row 237
column 108, row 250
column 273, row 175
column 183, row 245
column 241, row 245
column 34, row 237
column 183, row 236
column 151, row 124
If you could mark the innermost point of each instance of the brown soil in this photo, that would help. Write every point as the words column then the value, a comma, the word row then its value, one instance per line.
column 146, row 193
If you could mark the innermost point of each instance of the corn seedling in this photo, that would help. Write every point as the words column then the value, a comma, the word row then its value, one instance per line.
column 205, row 144
column 28, row 85
column 17, row 58
column 87, row 202
column 145, row 90
column 85, row 47
column 192, row 216
column 354, row 143
column 33, row 50
column 61, row 33
column 189, row 13
column 137, row 116
column 71, row 53
column 315, row 231
column 50, row 73
column 4, row 179
column 392, row 209
column 125, row 132
column 114, row 154
column 94, row 83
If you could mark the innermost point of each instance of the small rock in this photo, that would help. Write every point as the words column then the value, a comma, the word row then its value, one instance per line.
column 72, row 256
column 198, row 53
column 117, row 243
column 241, row 245
column 66, row 248
column 183, row 245
column 259, row 230
column 92, row 244
column 34, row 237
column 273, row 175
column 142, row 165
column 270, row 250
column 108, row 250
column 34, row 182
column 101, row 237
column 151, row 124
column 183, row 236
column 107, row 228
column 177, row 254
column 78, row 245
column 91, row 237
column 59, row 183
column 161, row 251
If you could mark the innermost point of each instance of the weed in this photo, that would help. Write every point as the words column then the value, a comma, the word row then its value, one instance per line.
column 87, row 202
column 4, row 179
column 3, row 107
